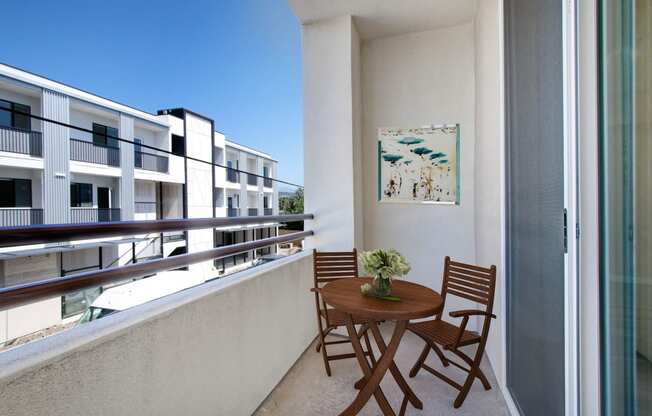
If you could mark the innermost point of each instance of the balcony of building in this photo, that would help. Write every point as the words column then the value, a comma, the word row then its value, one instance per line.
column 20, row 197
column 251, row 164
column 252, row 179
column 94, row 198
column 151, row 162
column 17, row 216
column 152, row 158
column 21, row 140
column 232, row 163
column 98, row 153
column 95, row 146
column 79, row 215
column 268, row 183
column 25, row 142
column 232, row 212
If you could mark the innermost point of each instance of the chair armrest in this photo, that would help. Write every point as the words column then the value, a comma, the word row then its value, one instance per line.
column 470, row 312
column 465, row 314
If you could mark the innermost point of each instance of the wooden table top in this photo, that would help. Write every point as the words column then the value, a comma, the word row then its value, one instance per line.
column 417, row 301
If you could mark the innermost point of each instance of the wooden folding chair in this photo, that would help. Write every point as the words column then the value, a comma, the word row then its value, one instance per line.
column 469, row 282
column 330, row 266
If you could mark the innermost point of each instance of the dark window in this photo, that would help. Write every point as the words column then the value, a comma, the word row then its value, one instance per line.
column 15, row 193
column 178, row 145
column 5, row 116
column 101, row 133
column 18, row 121
column 81, row 195
column 138, row 153
column 266, row 202
column 23, row 192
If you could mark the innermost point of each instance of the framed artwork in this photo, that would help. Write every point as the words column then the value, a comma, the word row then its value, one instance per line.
column 419, row 165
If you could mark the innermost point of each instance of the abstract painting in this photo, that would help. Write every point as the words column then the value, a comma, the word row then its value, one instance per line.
column 419, row 164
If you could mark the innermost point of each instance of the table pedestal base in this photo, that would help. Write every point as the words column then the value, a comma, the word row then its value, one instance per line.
column 370, row 384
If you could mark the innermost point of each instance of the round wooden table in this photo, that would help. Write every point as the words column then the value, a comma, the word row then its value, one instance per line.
column 416, row 302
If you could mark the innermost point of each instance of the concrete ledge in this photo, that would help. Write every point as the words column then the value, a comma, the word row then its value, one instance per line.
column 218, row 348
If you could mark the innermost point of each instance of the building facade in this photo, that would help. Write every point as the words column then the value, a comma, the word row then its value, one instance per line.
column 109, row 162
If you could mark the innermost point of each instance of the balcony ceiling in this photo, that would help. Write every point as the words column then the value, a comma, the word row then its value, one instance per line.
column 377, row 18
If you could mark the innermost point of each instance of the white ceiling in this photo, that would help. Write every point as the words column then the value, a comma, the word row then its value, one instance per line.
column 376, row 18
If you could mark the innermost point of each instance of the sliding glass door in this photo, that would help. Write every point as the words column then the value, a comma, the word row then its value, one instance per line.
column 535, row 271
column 626, row 206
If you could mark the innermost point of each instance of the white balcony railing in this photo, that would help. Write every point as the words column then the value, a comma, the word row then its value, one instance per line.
column 194, row 352
column 21, row 141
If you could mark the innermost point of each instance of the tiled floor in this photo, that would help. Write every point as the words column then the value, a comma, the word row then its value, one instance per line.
column 306, row 390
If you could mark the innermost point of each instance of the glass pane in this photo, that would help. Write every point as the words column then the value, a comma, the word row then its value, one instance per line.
column 626, row 206
column 138, row 155
column 86, row 194
column 5, row 116
column 99, row 134
column 110, row 141
column 74, row 195
column 23, row 192
column 22, row 121
column 6, row 193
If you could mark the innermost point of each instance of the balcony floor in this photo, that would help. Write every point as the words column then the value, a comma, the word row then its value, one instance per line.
column 306, row 390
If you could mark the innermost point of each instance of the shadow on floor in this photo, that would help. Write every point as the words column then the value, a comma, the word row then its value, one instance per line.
column 306, row 390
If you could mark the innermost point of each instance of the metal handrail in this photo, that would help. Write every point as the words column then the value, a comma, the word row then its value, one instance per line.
column 53, row 233
column 151, row 162
column 20, row 216
column 252, row 179
column 92, row 215
column 15, row 140
column 24, row 294
column 87, row 151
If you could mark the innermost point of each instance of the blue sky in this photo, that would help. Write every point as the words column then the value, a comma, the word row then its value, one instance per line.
column 236, row 61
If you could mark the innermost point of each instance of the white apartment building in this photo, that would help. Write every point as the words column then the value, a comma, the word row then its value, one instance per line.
column 51, row 173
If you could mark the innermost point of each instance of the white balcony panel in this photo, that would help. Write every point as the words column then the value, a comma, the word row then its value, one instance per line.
column 197, row 352
column 94, row 169
column 18, row 160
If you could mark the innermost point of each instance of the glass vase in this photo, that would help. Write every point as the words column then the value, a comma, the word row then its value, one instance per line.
column 382, row 285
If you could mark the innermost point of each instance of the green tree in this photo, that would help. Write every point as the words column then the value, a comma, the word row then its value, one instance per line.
column 292, row 204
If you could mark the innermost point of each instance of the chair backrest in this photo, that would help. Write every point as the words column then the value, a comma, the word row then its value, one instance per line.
column 333, row 265
column 470, row 282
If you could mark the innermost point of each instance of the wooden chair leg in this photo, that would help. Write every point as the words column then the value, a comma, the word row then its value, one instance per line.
column 372, row 358
column 417, row 366
column 464, row 391
column 473, row 373
column 479, row 374
column 325, row 356
column 440, row 354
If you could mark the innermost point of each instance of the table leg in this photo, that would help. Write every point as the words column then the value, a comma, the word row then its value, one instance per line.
column 373, row 376
column 394, row 369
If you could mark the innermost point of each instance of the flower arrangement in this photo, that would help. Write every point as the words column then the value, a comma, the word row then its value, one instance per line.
column 384, row 265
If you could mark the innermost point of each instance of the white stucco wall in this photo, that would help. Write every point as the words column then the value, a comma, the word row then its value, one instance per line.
column 408, row 81
column 199, row 145
column 489, row 192
column 215, row 349
column 328, row 133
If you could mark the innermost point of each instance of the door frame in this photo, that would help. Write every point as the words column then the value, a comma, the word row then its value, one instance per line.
column 579, row 388
column 571, row 198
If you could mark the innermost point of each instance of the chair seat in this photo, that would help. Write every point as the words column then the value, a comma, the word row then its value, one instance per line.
column 338, row 318
column 442, row 333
